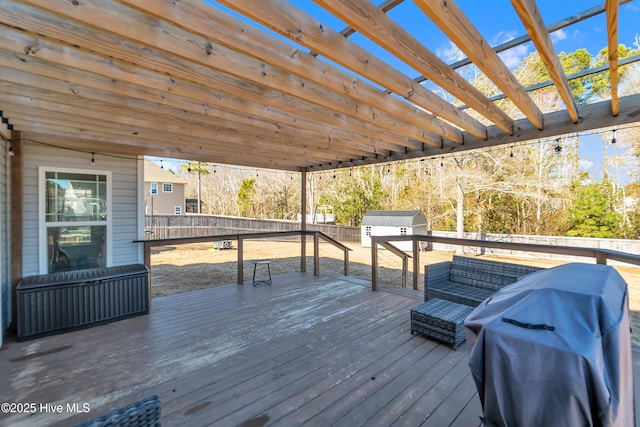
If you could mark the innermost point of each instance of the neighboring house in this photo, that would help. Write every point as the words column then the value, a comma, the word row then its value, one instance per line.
column 164, row 191
column 393, row 223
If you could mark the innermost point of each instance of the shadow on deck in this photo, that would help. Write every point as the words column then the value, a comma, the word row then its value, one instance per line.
column 306, row 351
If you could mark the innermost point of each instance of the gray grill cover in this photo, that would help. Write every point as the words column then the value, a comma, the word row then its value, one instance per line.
column 579, row 374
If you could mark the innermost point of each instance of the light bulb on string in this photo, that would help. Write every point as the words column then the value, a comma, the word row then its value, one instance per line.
column 558, row 147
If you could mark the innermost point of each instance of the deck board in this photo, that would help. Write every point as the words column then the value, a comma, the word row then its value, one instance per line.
column 308, row 350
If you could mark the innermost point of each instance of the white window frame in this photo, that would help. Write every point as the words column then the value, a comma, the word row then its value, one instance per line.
column 170, row 187
column 403, row 231
column 42, row 224
column 177, row 210
column 367, row 230
column 153, row 188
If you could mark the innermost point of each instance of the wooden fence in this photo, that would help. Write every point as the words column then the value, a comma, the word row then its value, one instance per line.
column 184, row 226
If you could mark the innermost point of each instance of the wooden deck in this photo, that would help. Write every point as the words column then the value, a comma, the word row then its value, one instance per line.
column 309, row 350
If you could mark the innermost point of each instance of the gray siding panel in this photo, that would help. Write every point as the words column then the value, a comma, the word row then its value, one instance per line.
column 124, row 198
column 5, row 248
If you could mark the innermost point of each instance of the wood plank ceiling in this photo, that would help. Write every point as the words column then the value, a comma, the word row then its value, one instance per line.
column 190, row 80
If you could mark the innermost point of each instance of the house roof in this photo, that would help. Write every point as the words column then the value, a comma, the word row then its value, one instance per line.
column 154, row 173
column 269, row 84
column 394, row 218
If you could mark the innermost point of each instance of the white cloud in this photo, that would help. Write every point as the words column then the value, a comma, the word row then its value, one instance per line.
column 450, row 54
column 586, row 165
column 503, row 37
column 559, row 35
column 514, row 56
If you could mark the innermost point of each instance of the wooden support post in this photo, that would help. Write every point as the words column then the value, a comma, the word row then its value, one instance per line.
column 405, row 267
column 416, row 262
column 346, row 261
column 240, row 261
column 303, row 221
column 374, row 264
column 601, row 258
column 147, row 254
column 316, row 254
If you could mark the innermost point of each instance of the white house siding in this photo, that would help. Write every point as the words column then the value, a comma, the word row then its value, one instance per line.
column 124, row 180
column 379, row 230
column 5, row 248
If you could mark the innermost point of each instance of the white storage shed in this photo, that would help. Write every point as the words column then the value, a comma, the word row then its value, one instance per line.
column 393, row 223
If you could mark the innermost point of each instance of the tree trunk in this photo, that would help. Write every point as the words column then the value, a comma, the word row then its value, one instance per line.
column 459, row 214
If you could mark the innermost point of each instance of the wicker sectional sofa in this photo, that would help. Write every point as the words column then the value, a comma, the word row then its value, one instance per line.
column 470, row 281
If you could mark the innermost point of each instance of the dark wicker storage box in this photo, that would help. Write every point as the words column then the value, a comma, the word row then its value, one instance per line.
column 59, row 302
column 440, row 320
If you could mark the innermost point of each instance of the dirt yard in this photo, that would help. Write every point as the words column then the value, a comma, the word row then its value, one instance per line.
column 176, row 269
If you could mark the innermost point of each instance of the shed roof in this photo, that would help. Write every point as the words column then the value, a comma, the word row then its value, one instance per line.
column 394, row 218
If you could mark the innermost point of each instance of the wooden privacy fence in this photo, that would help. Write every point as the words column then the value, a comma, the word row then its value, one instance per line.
column 181, row 226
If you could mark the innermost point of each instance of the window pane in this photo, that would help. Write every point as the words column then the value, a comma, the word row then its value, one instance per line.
column 167, row 188
column 72, row 248
column 75, row 197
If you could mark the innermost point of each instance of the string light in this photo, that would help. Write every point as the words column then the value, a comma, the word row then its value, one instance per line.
column 558, row 147
column 93, row 159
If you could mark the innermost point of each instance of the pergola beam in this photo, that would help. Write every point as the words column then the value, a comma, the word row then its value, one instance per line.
column 284, row 91
column 226, row 30
column 318, row 38
column 454, row 23
column 612, row 42
column 532, row 20
column 377, row 26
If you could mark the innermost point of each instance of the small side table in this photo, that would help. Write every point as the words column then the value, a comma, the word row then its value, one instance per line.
column 266, row 281
column 440, row 320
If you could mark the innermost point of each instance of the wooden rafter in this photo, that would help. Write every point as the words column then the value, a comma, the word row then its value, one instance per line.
column 315, row 36
column 235, row 34
column 532, row 19
column 293, row 94
column 376, row 25
column 385, row 6
column 189, row 80
column 517, row 41
column 612, row 43
column 5, row 132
